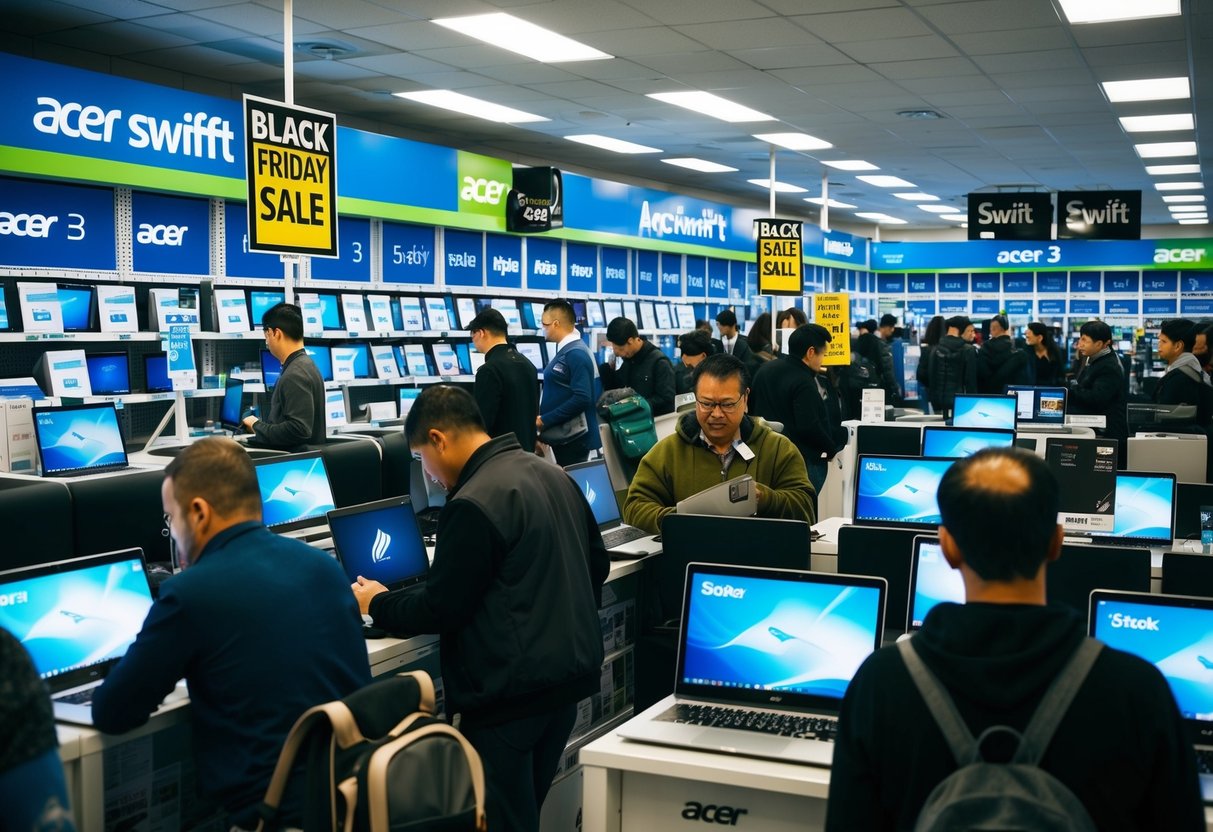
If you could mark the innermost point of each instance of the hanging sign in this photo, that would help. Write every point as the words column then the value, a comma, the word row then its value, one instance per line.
column 780, row 257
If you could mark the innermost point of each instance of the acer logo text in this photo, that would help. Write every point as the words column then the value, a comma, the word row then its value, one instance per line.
column 161, row 235
column 484, row 191
column 712, row 813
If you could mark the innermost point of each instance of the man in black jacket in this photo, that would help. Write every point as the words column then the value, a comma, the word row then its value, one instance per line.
column 514, row 592
column 1099, row 389
column 1185, row 381
column 794, row 390
column 731, row 341
column 998, row 362
column 953, row 367
column 644, row 368
column 507, row 386
column 996, row 654
column 297, row 405
column 870, row 345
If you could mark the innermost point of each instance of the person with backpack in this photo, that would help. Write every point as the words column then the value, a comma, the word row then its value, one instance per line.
column 953, row 367
column 999, row 363
column 930, row 340
column 1120, row 747
column 1184, row 382
column 643, row 367
column 1099, row 387
column 875, row 349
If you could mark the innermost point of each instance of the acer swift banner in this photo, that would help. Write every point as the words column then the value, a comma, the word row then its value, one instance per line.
column 1010, row 216
column 1099, row 215
column 780, row 257
column 290, row 162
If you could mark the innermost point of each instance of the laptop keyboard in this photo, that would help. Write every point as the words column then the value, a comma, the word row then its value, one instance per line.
column 622, row 535
column 784, row 725
column 1204, row 760
column 80, row 697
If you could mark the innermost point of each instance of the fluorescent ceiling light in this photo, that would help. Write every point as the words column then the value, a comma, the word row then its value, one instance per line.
column 1156, row 124
column 1103, row 11
column 886, row 181
column 939, row 209
column 711, row 105
column 468, row 106
column 1179, row 186
column 877, row 217
column 701, row 165
column 1170, row 170
column 614, row 145
column 1185, row 209
column 1161, row 150
column 1148, row 89
column 816, row 200
column 954, row 217
column 917, row 196
column 1184, row 198
column 517, row 35
column 780, row 187
column 1191, row 215
column 794, row 141
column 850, row 164
column 1194, row 222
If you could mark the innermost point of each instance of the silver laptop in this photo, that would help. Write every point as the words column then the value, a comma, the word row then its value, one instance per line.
column 1175, row 634
column 764, row 659
column 76, row 618
column 621, row 540
column 733, row 498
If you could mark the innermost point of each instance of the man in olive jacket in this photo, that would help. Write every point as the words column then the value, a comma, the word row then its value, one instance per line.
column 718, row 442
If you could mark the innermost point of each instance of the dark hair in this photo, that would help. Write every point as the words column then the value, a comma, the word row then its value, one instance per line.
column 1096, row 330
column 958, row 322
column 490, row 320
column 759, row 336
column 1000, row 506
column 441, row 407
column 284, row 316
column 935, row 331
column 804, row 337
column 695, row 342
column 1046, row 333
column 562, row 308
column 1002, row 321
column 219, row 471
column 793, row 312
column 621, row 330
column 720, row 366
column 726, row 317
column 888, row 319
column 869, row 325
column 700, row 323
column 1180, row 330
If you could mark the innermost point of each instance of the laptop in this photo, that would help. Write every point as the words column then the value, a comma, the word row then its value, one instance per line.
column 939, row 440
column 898, row 490
column 1039, row 409
column 621, row 540
column 932, row 581
column 977, row 411
column 295, row 492
column 79, row 439
column 1143, row 512
column 76, row 618
column 733, row 498
column 765, row 650
column 380, row 541
column 230, row 410
column 1178, row 644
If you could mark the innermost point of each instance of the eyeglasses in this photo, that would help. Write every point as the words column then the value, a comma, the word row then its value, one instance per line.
column 725, row 407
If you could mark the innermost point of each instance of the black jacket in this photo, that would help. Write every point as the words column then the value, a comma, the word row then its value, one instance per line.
column 650, row 373
column 296, row 407
column 514, row 589
column 1100, row 391
column 744, row 352
column 953, row 369
column 1000, row 364
column 507, row 393
column 786, row 390
column 877, row 350
column 1185, row 383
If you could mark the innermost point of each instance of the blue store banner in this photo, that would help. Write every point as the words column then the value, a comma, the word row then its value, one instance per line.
column 993, row 255
column 1052, row 307
column 1120, row 282
column 1051, row 283
column 740, row 282
column 954, row 283
column 543, row 264
column 953, row 306
column 67, row 226
column 646, row 274
column 1160, row 282
column 986, row 283
column 718, row 278
column 1196, row 307
column 1200, row 282
column 921, row 284
column 503, row 258
column 353, row 260
column 1084, row 307
column 671, row 275
column 1019, row 307
column 464, row 251
column 697, row 277
column 986, row 306
column 835, row 246
column 1015, row 283
column 238, row 260
column 614, row 270
column 408, row 253
column 891, row 284
column 583, row 268
column 1159, row 306
column 921, row 307
column 171, row 234
column 1085, row 282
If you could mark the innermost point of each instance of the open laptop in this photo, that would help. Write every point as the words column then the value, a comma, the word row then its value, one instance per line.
column 1175, row 634
column 1039, row 409
column 295, row 492
column 898, row 490
column 733, row 498
column 76, row 618
column 940, row 440
column 79, row 439
column 230, row 411
column 380, row 541
column 621, row 540
column 981, row 411
column 765, row 651
column 1143, row 512
column 932, row 581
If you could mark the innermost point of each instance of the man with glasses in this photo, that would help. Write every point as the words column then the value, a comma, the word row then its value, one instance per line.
column 567, row 421
column 715, row 443
column 507, row 387
column 297, row 406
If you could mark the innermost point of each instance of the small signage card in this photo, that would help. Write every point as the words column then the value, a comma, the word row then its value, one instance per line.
column 40, row 309
column 231, row 310
column 1086, row 472
column 116, row 309
column 871, row 408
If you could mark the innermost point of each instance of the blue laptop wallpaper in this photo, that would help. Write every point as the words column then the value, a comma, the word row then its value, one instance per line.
column 322, row 357
column 294, row 490
column 382, row 544
column 76, row 302
column 984, row 412
column 1143, row 507
column 960, row 442
column 259, row 302
column 109, row 374
column 79, row 439
column 935, row 582
column 595, row 483
column 892, row 489
column 271, row 368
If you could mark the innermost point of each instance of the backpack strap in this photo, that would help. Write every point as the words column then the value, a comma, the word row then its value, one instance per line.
column 942, row 708
column 1056, row 702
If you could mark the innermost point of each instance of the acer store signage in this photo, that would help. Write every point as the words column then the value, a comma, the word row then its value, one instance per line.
column 1099, row 215
column 483, row 184
column 290, row 173
column 536, row 202
column 48, row 224
column 1010, row 216
column 171, row 234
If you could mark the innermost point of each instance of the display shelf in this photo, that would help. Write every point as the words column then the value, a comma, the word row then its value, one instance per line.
column 134, row 398
column 25, row 337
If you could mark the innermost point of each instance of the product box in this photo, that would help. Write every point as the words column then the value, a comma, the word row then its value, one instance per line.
column 18, row 450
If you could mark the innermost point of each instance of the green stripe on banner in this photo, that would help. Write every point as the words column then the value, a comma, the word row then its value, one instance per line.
column 120, row 174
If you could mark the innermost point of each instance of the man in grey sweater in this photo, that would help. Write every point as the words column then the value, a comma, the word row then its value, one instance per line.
column 296, row 414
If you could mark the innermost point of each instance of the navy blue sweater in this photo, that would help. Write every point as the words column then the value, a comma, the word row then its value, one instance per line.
column 569, row 388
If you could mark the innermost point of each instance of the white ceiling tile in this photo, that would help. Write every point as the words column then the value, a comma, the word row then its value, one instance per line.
column 990, row 16
column 677, row 12
column 866, row 25
column 765, row 33
column 1021, row 40
column 898, row 49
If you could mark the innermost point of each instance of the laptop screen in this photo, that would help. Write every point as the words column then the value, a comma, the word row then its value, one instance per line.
column 898, row 490
column 380, row 541
column 76, row 303
column 984, row 412
column 109, row 373
column 295, row 491
column 533, row 352
column 271, row 368
column 1039, row 405
column 1144, row 507
column 960, row 442
column 932, row 581
column 76, row 617
column 260, row 302
column 595, row 483
column 229, row 411
column 155, row 370
column 78, row 439
column 748, row 632
column 322, row 357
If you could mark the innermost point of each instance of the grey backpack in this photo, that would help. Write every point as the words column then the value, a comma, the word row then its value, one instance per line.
column 1011, row 796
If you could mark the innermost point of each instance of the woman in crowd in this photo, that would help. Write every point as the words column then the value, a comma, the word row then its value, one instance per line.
column 1044, row 364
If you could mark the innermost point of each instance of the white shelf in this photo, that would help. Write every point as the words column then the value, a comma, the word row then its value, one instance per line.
column 23, row 337
column 137, row 398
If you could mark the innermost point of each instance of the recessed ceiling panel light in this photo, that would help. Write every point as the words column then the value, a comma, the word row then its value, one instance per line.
column 780, row 187
column 878, row 217
column 614, row 145
column 1103, row 11
column 1179, row 186
column 1184, row 198
column 517, row 35
column 1194, row 222
column 939, row 209
column 886, row 181
column 701, row 165
column 1149, row 89
column 849, row 164
column 816, row 200
column 1163, row 150
column 1191, row 215
column 465, row 104
column 1171, row 170
column 1186, row 209
column 711, row 105
column 917, row 196
column 1157, row 124
column 794, row 141
column 954, row 217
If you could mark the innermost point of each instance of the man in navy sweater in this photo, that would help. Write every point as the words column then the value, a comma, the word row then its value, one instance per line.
column 261, row 627
column 567, row 421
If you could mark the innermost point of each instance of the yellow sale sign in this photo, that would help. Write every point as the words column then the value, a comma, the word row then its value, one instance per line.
column 834, row 313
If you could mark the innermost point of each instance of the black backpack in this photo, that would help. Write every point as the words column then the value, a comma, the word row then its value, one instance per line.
column 945, row 375
column 380, row 759
column 1015, row 796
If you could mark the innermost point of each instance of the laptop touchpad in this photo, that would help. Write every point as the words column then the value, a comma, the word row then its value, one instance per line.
column 740, row 742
